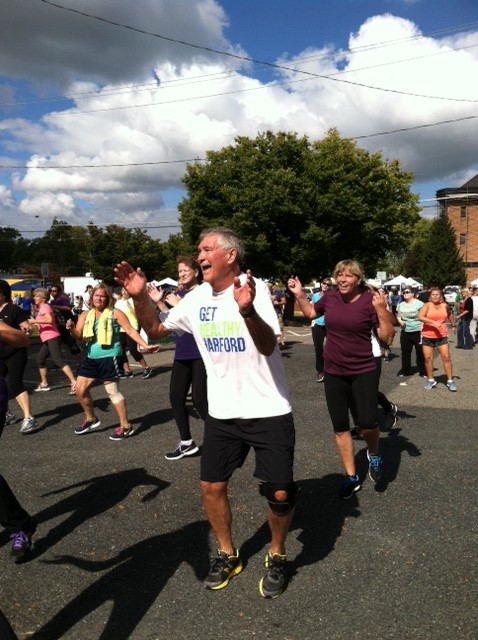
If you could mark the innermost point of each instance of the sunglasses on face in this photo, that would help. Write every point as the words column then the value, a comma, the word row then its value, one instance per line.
column 327, row 284
column 407, row 291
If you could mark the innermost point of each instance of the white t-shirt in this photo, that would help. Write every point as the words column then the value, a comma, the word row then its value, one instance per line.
column 241, row 382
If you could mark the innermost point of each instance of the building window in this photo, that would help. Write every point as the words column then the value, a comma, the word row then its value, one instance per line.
column 462, row 238
column 462, row 212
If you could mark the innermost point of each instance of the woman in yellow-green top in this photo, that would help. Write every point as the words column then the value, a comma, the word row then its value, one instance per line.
column 125, row 304
column 100, row 329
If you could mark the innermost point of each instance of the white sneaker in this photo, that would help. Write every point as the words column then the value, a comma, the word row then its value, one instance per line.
column 28, row 425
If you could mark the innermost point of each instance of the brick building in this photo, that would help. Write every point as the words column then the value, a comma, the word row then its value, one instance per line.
column 461, row 206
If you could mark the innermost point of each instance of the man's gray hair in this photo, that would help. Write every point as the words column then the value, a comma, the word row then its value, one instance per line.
column 228, row 239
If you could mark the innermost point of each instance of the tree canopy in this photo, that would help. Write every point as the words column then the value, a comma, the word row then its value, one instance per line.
column 302, row 206
column 441, row 263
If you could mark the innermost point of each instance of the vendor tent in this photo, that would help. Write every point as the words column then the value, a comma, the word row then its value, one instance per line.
column 400, row 281
column 168, row 282
column 413, row 283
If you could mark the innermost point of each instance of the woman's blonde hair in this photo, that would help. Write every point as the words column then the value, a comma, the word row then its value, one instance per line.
column 111, row 302
column 41, row 291
column 349, row 265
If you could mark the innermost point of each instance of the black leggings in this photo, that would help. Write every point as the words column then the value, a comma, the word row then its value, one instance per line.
column 361, row 390
column 129, row 344
column 188, row 373
column 50, row 348
column 318, row 336
column 12, row 515
column 15, row 365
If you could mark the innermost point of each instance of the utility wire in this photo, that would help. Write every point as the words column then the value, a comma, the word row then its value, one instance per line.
column 229, row 54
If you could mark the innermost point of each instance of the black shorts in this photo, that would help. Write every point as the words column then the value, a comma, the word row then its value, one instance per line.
column 102, row 369
column 227, row 443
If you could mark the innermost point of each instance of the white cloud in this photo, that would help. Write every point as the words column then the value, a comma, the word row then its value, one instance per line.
column 118, row 115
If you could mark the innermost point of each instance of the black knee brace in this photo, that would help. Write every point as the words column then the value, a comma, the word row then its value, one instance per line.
column 279, row 507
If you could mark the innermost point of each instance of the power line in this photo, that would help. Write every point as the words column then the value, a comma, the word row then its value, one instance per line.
column 168, row 162
column 220, row 75
column 228, row 54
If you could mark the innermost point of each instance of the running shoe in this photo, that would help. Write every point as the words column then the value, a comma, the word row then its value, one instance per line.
column 72, row 391
column 375, row 464
column 146, row 373
column 451, row 384
column 9, row 418
column 28, row 425
column 273, row 582
column 391, row 417
column 126, row 374
column 182, row 450
column 320, row 377
column 87, row 425
column 21, row 545
column 222, row 569
column 349, row 486
column 120, row 433
column 42, row 387
column 429, row 384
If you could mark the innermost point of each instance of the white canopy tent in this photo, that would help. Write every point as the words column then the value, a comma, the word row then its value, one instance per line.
column 401, row 281
column 165, row 281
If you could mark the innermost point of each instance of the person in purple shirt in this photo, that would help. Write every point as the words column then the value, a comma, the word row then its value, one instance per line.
column 352, row 312
column 188, row 367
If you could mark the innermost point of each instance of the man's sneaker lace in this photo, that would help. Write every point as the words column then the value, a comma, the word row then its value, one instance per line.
column 349, row 486
column 120, row 433
column 374, row 466
column 21, row 545
column 87, row 425
column 182, row 450
column 222, row 568
column 273, row 582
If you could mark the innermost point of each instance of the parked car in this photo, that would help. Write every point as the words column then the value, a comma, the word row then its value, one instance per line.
column 308, row 292
column 450, row 292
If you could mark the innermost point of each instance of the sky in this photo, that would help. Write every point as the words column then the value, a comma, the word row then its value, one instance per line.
column 103, row 102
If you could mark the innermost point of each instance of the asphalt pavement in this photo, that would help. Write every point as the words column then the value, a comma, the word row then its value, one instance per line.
column 122, row 544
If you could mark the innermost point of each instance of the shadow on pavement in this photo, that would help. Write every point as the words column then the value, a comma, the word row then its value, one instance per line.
column 93, row 497
column 132, row 582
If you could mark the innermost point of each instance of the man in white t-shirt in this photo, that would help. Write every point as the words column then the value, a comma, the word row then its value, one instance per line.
column 235, row 326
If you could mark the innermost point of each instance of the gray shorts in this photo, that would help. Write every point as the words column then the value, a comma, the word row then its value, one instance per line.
column 434, row 342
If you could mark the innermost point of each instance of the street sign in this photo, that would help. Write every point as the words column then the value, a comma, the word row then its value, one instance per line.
column 44, row 269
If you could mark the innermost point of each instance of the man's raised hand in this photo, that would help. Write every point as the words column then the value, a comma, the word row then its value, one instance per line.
column 133, row 281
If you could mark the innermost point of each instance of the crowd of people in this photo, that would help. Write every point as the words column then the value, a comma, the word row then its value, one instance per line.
column 229, row 334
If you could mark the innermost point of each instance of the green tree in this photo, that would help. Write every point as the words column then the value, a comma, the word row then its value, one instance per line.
column 441, row 261
column 300, row 206
column 61, row 247
column 411, row 265
column 106, row 247
column 13, row 249
column 176, row 245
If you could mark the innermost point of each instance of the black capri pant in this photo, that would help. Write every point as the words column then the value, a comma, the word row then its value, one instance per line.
column 15, row 365
column 188, row 373
column 361, row 391
column 129, row 344
column 50, row 348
